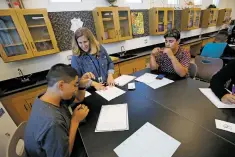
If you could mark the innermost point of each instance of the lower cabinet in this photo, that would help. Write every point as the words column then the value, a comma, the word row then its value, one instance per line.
column 19, row 105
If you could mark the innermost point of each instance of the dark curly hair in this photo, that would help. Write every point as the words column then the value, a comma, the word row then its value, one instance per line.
column 173, row 33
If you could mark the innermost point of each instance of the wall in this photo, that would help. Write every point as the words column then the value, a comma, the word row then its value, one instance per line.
column 9, row 70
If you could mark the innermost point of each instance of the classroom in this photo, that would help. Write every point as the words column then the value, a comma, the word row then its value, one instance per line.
column 117, row 78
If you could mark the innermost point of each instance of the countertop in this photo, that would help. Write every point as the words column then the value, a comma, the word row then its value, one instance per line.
column 39, row 78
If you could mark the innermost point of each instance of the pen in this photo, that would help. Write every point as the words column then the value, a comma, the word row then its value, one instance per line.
column 233, row 89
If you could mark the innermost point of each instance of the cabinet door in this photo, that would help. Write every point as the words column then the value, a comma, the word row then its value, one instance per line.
column 161, row 21
column 191, row 19
column 127, row 67
column 197, row 16
column 13, row 42
column 39, row 31
column 215, row 16
column 140, row 64
column 108, row 27
column 124, row 24
column 170, row 19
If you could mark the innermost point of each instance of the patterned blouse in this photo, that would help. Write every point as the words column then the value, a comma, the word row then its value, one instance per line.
column 165, row 64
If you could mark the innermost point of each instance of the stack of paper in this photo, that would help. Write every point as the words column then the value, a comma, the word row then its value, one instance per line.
column 150, row 80
column 148, row 141
column 113, row 118
column 110, row 93
column 123, row 80
column 214, row 99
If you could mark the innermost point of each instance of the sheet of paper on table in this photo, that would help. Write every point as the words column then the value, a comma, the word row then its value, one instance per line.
column 123, row 80
column 148, row 141
column 151, row 81
column 214, row 99
column 110, row 93
column 87, row 94
column 225, row 125
column 113, row 118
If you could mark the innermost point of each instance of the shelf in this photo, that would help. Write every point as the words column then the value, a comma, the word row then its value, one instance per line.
column 122, row 18
column 42, row 40
column 3, row 29
column 107, row 19
column 36, row 26
column 18, row 44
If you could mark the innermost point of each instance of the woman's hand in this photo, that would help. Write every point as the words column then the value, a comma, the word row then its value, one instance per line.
column 228, row 99
column 98, row 86
column 110, row 80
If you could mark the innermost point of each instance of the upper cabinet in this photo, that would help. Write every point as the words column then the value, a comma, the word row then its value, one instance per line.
column 190, row 18
column 224, row 16
column 209, row 17
column 112, row 24
column 25, row 33
column 160, row 20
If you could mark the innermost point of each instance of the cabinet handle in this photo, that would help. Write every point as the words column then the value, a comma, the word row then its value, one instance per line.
column 7, row 134
column 25, row 107
column 119, row 32
column 116, row 32
column 26, row 46
column 32, row 46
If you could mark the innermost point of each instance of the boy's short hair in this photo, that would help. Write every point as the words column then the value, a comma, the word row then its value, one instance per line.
column 173, row 33
column 222, row 36
column 60, row 72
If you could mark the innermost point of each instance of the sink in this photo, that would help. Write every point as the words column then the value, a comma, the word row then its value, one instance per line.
column 123, row 57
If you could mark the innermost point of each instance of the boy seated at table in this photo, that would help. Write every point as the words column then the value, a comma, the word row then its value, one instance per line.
column 51, row 129
column 171, row 59
column 219, row 81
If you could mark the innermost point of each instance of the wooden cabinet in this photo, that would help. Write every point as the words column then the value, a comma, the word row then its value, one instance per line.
column 131, row 66
column 116, row 71
column 19, row 105
column 224, row 16
column 160, row 20
column 112, row 24
column 209, row 17
column 190, row 18
column 25, row 33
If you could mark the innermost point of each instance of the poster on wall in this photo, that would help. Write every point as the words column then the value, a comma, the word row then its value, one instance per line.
column 137, row 20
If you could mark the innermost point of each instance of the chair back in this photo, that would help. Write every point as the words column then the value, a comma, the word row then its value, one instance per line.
column 15, row 148
column 207, row 67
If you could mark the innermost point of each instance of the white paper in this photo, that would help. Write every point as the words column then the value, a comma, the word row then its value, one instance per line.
column 131, row 85
column 225, row 125
column 113, row 118
column 123, row 80
column 147, row 78
column 214, row 99
column 148, row 141
column 87, row 94
column 110, row 93
column 151, row 81
column 75, row 24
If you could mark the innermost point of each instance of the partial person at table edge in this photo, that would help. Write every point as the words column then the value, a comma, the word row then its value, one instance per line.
column 172, row 59
column 219, row 81
column 90, row 56
column 52, row 128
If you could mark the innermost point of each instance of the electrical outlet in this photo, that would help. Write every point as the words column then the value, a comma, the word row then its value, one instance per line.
column 69, row 57
column 146, row 41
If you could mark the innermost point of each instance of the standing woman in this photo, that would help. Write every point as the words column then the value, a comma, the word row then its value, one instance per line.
column 90, row 56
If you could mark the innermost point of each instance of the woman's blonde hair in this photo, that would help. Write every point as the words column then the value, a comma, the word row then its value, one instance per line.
column 94, row 44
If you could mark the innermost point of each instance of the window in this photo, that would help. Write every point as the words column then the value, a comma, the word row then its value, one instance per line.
column 66, row 0
column 216, row 2
column 134, row 1
column 173, row 2
column 197, row 2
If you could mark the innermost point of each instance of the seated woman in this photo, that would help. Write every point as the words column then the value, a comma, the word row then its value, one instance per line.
column 90, row 56
column 171, row 59
column 219, row 80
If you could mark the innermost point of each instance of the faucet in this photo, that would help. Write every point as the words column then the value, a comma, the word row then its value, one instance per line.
column 22, row 76
column 123, row 51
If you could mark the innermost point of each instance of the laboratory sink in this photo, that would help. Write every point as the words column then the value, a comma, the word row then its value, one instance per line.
column 126, row 56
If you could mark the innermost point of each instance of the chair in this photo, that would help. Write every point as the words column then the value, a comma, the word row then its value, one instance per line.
column 192, row 70
column 12, row 150
column 207, row 67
